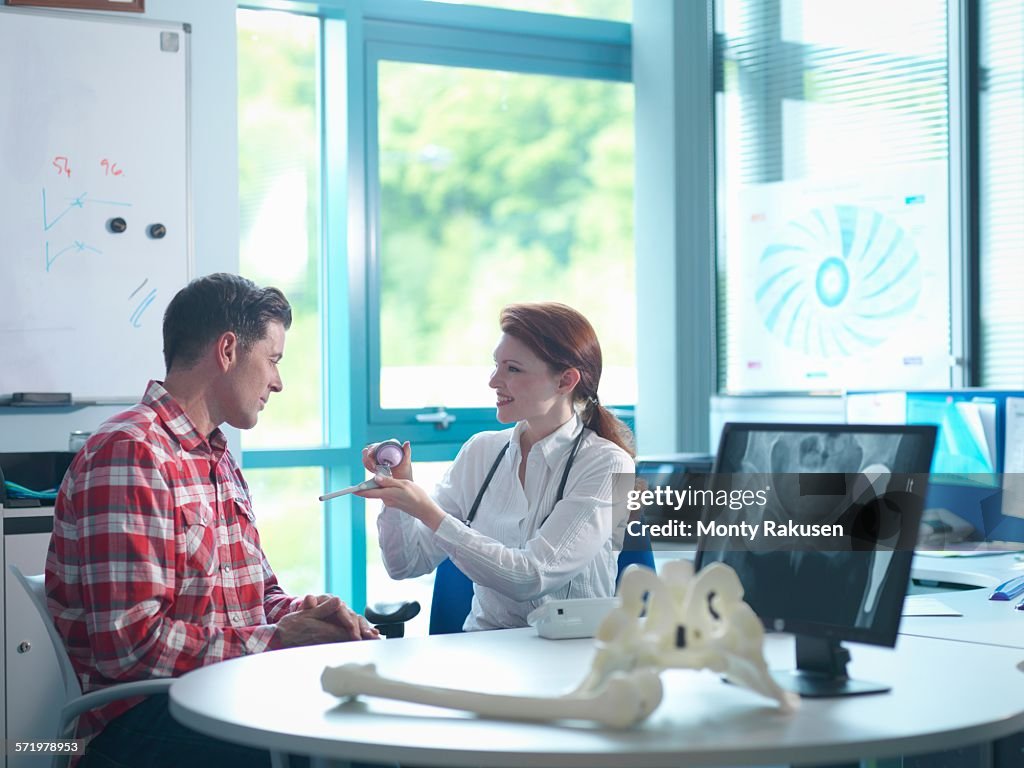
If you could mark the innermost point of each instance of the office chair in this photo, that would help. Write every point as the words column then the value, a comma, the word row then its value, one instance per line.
column 452, row 596
column 75, row 702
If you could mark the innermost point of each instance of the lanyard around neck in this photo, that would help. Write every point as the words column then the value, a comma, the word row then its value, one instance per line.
column 497, row 463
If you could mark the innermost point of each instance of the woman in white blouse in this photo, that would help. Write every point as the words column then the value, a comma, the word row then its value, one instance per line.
column 525, row 513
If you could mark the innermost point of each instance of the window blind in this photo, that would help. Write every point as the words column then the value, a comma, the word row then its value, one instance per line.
column 1001, row 104
column 819, row 90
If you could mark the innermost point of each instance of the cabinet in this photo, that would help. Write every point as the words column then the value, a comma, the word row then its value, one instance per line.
column 32, row 688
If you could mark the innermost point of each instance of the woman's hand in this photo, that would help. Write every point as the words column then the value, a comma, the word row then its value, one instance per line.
column 408, row 497
column 402, row 470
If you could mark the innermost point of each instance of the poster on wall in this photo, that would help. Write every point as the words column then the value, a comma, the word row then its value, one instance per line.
column 841, row 285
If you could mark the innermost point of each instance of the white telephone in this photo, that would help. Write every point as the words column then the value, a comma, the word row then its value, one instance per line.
column 564, row 619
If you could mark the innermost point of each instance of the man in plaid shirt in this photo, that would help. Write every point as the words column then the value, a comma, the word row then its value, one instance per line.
column 155, row 565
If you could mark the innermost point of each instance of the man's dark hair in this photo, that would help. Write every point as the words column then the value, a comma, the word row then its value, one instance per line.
column 211, row 305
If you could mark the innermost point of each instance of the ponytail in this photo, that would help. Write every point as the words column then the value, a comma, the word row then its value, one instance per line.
column 607, row 425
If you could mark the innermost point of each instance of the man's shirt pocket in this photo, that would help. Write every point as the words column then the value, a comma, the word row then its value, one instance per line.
column 200, row 540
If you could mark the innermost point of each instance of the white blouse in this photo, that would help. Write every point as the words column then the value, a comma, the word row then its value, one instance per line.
column 517, row 554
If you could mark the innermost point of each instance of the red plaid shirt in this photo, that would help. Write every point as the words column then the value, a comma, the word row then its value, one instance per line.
column 155, row 566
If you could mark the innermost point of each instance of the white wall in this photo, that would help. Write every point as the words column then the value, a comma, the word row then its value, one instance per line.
column 214, row 182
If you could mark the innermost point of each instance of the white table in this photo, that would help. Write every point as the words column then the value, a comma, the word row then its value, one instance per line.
column 984, row 621
column 985, row 571
column 945, row 694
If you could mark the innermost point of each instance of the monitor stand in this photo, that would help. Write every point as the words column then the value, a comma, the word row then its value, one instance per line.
column 821, row 671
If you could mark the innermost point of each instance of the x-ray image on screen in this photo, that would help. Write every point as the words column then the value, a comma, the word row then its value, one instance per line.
column 859, row 463
column 787, row 451
column 826, row 475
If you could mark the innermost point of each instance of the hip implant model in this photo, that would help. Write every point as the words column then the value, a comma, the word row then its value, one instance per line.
column 387, row 455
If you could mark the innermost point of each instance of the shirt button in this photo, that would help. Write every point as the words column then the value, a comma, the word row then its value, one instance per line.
column 234, row 618
column 226, row 568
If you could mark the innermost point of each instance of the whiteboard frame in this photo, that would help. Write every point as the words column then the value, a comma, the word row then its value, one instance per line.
column 131, row 6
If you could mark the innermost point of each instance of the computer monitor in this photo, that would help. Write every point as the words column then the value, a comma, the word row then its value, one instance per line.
column 679, row 471
column 973, row 494
column 870, row 481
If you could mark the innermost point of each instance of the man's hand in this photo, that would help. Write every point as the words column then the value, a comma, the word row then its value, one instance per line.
column 326, row 621
column 358, row 627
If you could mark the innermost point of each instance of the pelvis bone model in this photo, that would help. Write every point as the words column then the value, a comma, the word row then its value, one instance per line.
column 673, row 620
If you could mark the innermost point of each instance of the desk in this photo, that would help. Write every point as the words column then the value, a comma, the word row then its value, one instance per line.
column 984, row 621
column 944, row 695
column 980, row 571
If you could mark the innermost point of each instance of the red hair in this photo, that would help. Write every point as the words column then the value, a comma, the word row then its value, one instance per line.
column 563, row 338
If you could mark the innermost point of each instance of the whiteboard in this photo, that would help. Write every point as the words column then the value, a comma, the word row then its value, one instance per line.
column 93, row 129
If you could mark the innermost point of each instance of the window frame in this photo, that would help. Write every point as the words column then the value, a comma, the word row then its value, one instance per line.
column 477, row 38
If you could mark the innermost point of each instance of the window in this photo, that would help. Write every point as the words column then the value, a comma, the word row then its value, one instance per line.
column 279, row 190
column 498, row 187
column 289, row 517
column 388, row 168
column 500, row 169
column 833, row 197
column 381, row 587
column 1001, row 157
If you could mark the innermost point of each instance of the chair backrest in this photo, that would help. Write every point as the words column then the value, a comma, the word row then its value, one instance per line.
column 35, row 588
column 453, row 591
column 634, row 557
column 451, row 601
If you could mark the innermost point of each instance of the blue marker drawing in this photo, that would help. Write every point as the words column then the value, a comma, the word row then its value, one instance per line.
column 76, row 202
column 136, row 317
column 107, row 202
column 78, row 246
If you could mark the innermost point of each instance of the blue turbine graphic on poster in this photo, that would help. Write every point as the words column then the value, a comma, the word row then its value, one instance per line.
column 838, row 281
column 838, row 284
